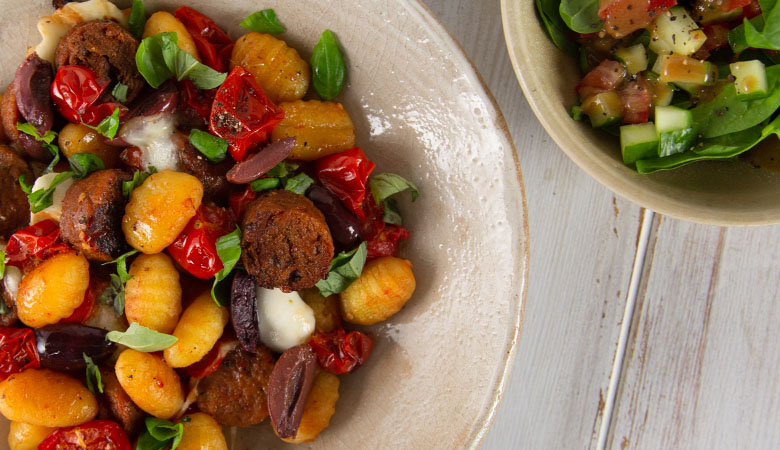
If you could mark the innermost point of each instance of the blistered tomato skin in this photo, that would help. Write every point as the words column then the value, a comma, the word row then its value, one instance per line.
column 98, row 434
column 17, row 351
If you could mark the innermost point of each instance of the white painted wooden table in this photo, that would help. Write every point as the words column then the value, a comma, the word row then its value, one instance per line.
column 641, row 331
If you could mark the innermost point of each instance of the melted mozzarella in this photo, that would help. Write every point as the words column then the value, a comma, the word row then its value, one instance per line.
column 54, row 27
column 11, row 280
column 285, row 320
column 153, row 135
column 53, row 212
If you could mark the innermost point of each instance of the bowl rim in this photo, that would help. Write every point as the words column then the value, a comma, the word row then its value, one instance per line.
column 599, row 169
column 485, row 421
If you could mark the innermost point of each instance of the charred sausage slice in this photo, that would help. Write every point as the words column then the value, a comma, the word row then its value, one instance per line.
column 235, row 395
column 117, row 404
column 286, row 242
column 92, row 215
column 14, row 207
column 215, row 185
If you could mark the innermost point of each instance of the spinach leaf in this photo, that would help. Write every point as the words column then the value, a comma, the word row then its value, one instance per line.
column 727, row 114
column 344, row 269
column 212, row 147
column 581, row 16
column 263, row 22
column 83, row 164
column 143, row 339
column 299, row 183
column 120, row 92
column 327, row 67
column 557, row 30
column 43, row 198
column 766, row 35
column 93, row 373
column 159, row 59
column 137, row 20
column 229, row 252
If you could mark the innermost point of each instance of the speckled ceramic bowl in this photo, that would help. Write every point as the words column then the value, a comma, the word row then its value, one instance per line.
column 439, row 367
column 719, row 193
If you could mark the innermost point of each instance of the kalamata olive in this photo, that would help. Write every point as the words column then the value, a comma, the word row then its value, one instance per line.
column 344, row 225
column 243, row 311
column 261, row 162
column 288, row 388
column 61, row 346
column 31, row 88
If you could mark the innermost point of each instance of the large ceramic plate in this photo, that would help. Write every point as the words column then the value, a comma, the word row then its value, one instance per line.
column 437, row 373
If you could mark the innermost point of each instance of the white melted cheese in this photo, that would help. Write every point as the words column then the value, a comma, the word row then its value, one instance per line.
column 153, row 135
column 53, row 212
column 11, row 280
column 54, row 27
column 285, row 320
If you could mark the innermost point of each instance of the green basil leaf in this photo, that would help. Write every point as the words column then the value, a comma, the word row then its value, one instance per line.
column 150, row 61
column 264, row 184
column 229, row 252
column 299, row 183
column 557, row 30
column 160, row 434
column 137, row 20
column 147, row 442
column 391, row 214
column 2, row 266
column 93, row 373
column 138, row 179
column 344, row 269
column 327, row 67
column 83, row 164
column 385, row 185
column 282, row 169
column 263, row 22
column 26, row 188
column 47, row 140
column 214, row 148
column 109, row 126
column 143, row 339
column 115, row 293
column 184, row 66
column 120, row 93
column 581, row 16
column 43, row 198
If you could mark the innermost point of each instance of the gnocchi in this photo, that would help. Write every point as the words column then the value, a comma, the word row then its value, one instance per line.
column 24, row 436
column 52, row 290
column 327, row 316
column 320, row 407
column 65, row 402
column 78, row 138
column 280, row 71
column 383, row 288
column 320, row 128
column 159, row 210
column 153, row 294
column 150, row 383
column 201, row 432
column 164, row 22
column 199, row 328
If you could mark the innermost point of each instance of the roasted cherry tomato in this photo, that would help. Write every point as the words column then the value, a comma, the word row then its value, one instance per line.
column 238, row 202
column 95, row 435
column 386, row 242
column 17, row 351
column 75, row 91
column 35, row 242
column 212, row 43
column 196, row 247
column 340, row 352
column 85, row 309
column 346, row 175
column 210, row 363
column 197, row 100
column 242, row 114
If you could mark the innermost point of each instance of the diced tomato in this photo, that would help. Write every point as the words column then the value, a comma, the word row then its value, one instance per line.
column 623, row 17
column 605, row 77
column 636, row 102
column 717, row 37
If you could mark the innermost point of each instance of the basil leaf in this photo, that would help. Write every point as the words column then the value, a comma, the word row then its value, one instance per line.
column 385, row 185
column 557, row 30
column 26, row 188
column 344, row 269
column 282, row 169
column 299, row 183
column 263, row 22
column 327, row 67
column 138, row 179
column 391, row 214
column 43, row 198
column 229, row 252
column 137, row 20
column 142, row 339
column 159, row 59
column 150, row 61
column 47, row 140
column 93, row 373
column 83, row 164
column 160, row 434
column 120, row 92
column 264, row 184
column 114, row 294
column 147, row 442
column 2, row 266
column 109, row 126
column 581, row 16
column 214, row 148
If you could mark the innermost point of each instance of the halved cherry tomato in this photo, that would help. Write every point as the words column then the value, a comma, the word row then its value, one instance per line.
column 209, row 38
column 238, row 202
column 604, row 77
column 197, row 100
column 386, row 242
column 95, row 435
column 340, row 352
column 75, row 91
column 346, row 175
column 17, row 351
column 623, row 17
column 196, row 247
column 85, row 309
column 35, row 242
column 210, row 363
column 242, row 114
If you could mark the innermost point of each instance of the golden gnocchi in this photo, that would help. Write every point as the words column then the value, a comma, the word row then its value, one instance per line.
column 199, row 328
column 153, row 294
column 383, row 288
column 319, row 128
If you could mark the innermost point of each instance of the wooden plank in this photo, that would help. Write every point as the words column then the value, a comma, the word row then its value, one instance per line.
column 700, row 370
column 583, row 242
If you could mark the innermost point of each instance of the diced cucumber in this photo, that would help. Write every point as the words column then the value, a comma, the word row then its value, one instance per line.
column 675, row 31
column 603, row 109
column 576, row 112
column 691, row 71
column 659, row 64
column 661, row 93
column 671, row 118
column 634, row 58
column 638, row 141
column 749, row 79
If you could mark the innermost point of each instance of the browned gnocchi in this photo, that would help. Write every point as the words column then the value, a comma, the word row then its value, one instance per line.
column 320, row 128
column 78, row 138
column 165, row 22
column 383, row 288
column 52, row 290
column 153, row 294
column 24, row 436
column 150, row 383
column 327, row 316
column 201, row 432
column 199, row 328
